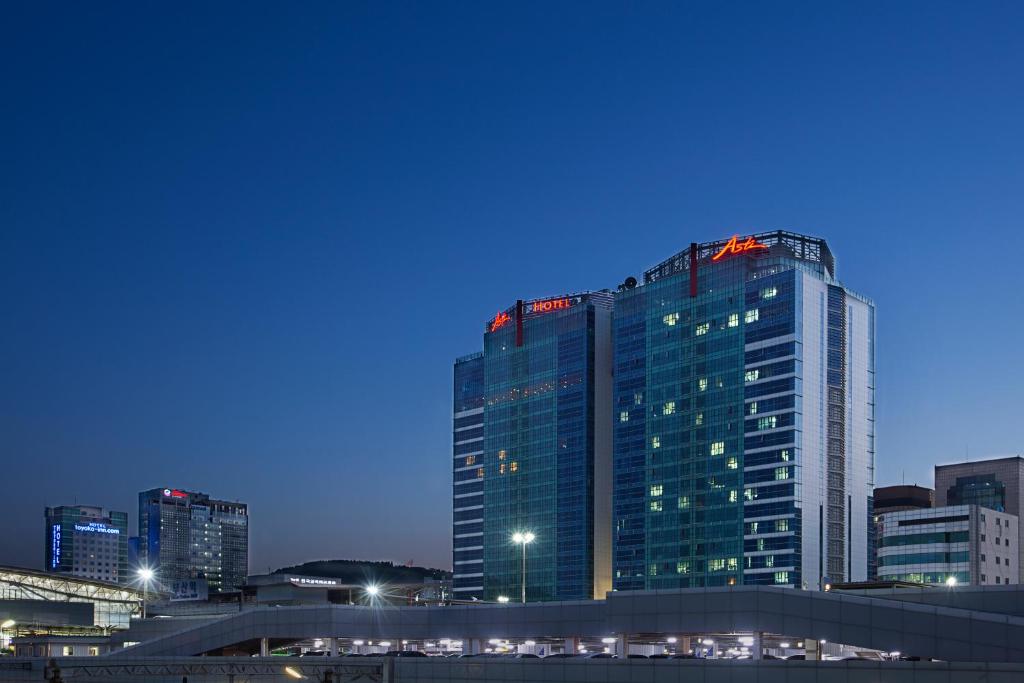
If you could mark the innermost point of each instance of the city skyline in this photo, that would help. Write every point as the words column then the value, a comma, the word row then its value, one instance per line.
column 247, row 274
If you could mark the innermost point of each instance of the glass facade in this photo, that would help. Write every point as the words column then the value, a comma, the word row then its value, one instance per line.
column 733, row 430
column 468, row 477
column 542, row 398
column 719, row 476
column 186, row 535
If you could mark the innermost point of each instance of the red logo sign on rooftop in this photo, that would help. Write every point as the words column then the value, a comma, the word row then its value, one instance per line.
column 734, row 246
column 499, row 321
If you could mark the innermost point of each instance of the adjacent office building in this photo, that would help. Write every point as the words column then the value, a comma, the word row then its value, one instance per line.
column 996, row 484
column 743, row 419
column 896, row 499
column 468, row 474
column 187, row 535
column 87, row 541
column 957, row 544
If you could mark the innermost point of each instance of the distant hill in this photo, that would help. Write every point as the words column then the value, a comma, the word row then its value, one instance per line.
column 361, row 571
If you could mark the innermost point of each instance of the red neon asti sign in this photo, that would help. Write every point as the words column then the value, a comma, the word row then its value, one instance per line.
column 175, row 493
column 550, row 305
column 734, row 246
column 499, row 321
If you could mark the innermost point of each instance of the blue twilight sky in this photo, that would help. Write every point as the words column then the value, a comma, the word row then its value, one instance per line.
column 240, row 244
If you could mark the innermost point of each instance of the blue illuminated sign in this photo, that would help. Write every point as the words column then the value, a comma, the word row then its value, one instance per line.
column 97, row 528
column 55, row 551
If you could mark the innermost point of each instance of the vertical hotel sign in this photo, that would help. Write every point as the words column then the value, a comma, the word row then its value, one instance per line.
column 55, row 548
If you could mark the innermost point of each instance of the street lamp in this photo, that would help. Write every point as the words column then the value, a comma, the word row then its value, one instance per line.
column 145, row 576
column 523, row 539
column 951, row 581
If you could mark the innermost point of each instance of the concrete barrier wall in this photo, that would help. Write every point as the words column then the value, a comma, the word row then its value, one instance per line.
column 696, row 671
column 440, row 670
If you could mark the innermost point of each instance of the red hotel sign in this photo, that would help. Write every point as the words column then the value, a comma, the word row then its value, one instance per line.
column 550, row 305
column 734, row 246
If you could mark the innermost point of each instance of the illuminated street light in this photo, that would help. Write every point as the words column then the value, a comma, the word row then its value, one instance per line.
column 372, row 590
column 292, row 672
column 146, row 577
column 502, row 598
column 951, row 582
column 671, row 640
column 523, row 538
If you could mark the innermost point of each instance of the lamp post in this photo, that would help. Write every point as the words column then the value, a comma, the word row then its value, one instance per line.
column 145, row 576
column 523, row 539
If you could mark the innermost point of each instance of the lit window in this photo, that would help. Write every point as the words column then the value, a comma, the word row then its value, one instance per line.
column 734, row 319
column 753, row 527
column 751, row 375
column 513, row 466
column 766, row 422
column 656, row 490
column 684, row 502
column 752, row 408
column 682, row 567
column 749, row 494
column 501, row 468
column 638, row 398
column 731, row 463
column 671, row 319
column 782, row 525
column 769, row 292
column 653, row 569
column 716, row 565
column 470, row 460
column 760, row 544
column 699, row 419
column 702, row 329
column 717, row 448
column 732, row 564
column 624, row 416
column 769, row 561
column 668, row 408
column 751, row 316
column 655, row 442
column 501, row 455
column 784, row 455
column 732, row 496
column 655, row 506
column 781, row 473
column 781, row 577
column 702, row 383
column 480, row 473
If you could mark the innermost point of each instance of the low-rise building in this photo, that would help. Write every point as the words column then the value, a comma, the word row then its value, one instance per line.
column 958, row 544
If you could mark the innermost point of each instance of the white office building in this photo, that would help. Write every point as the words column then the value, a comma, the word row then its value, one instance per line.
column 953, row 545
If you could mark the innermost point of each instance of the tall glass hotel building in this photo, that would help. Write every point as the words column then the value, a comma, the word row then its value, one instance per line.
column 544, row 467
column 717, row 426
column 744, row 425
